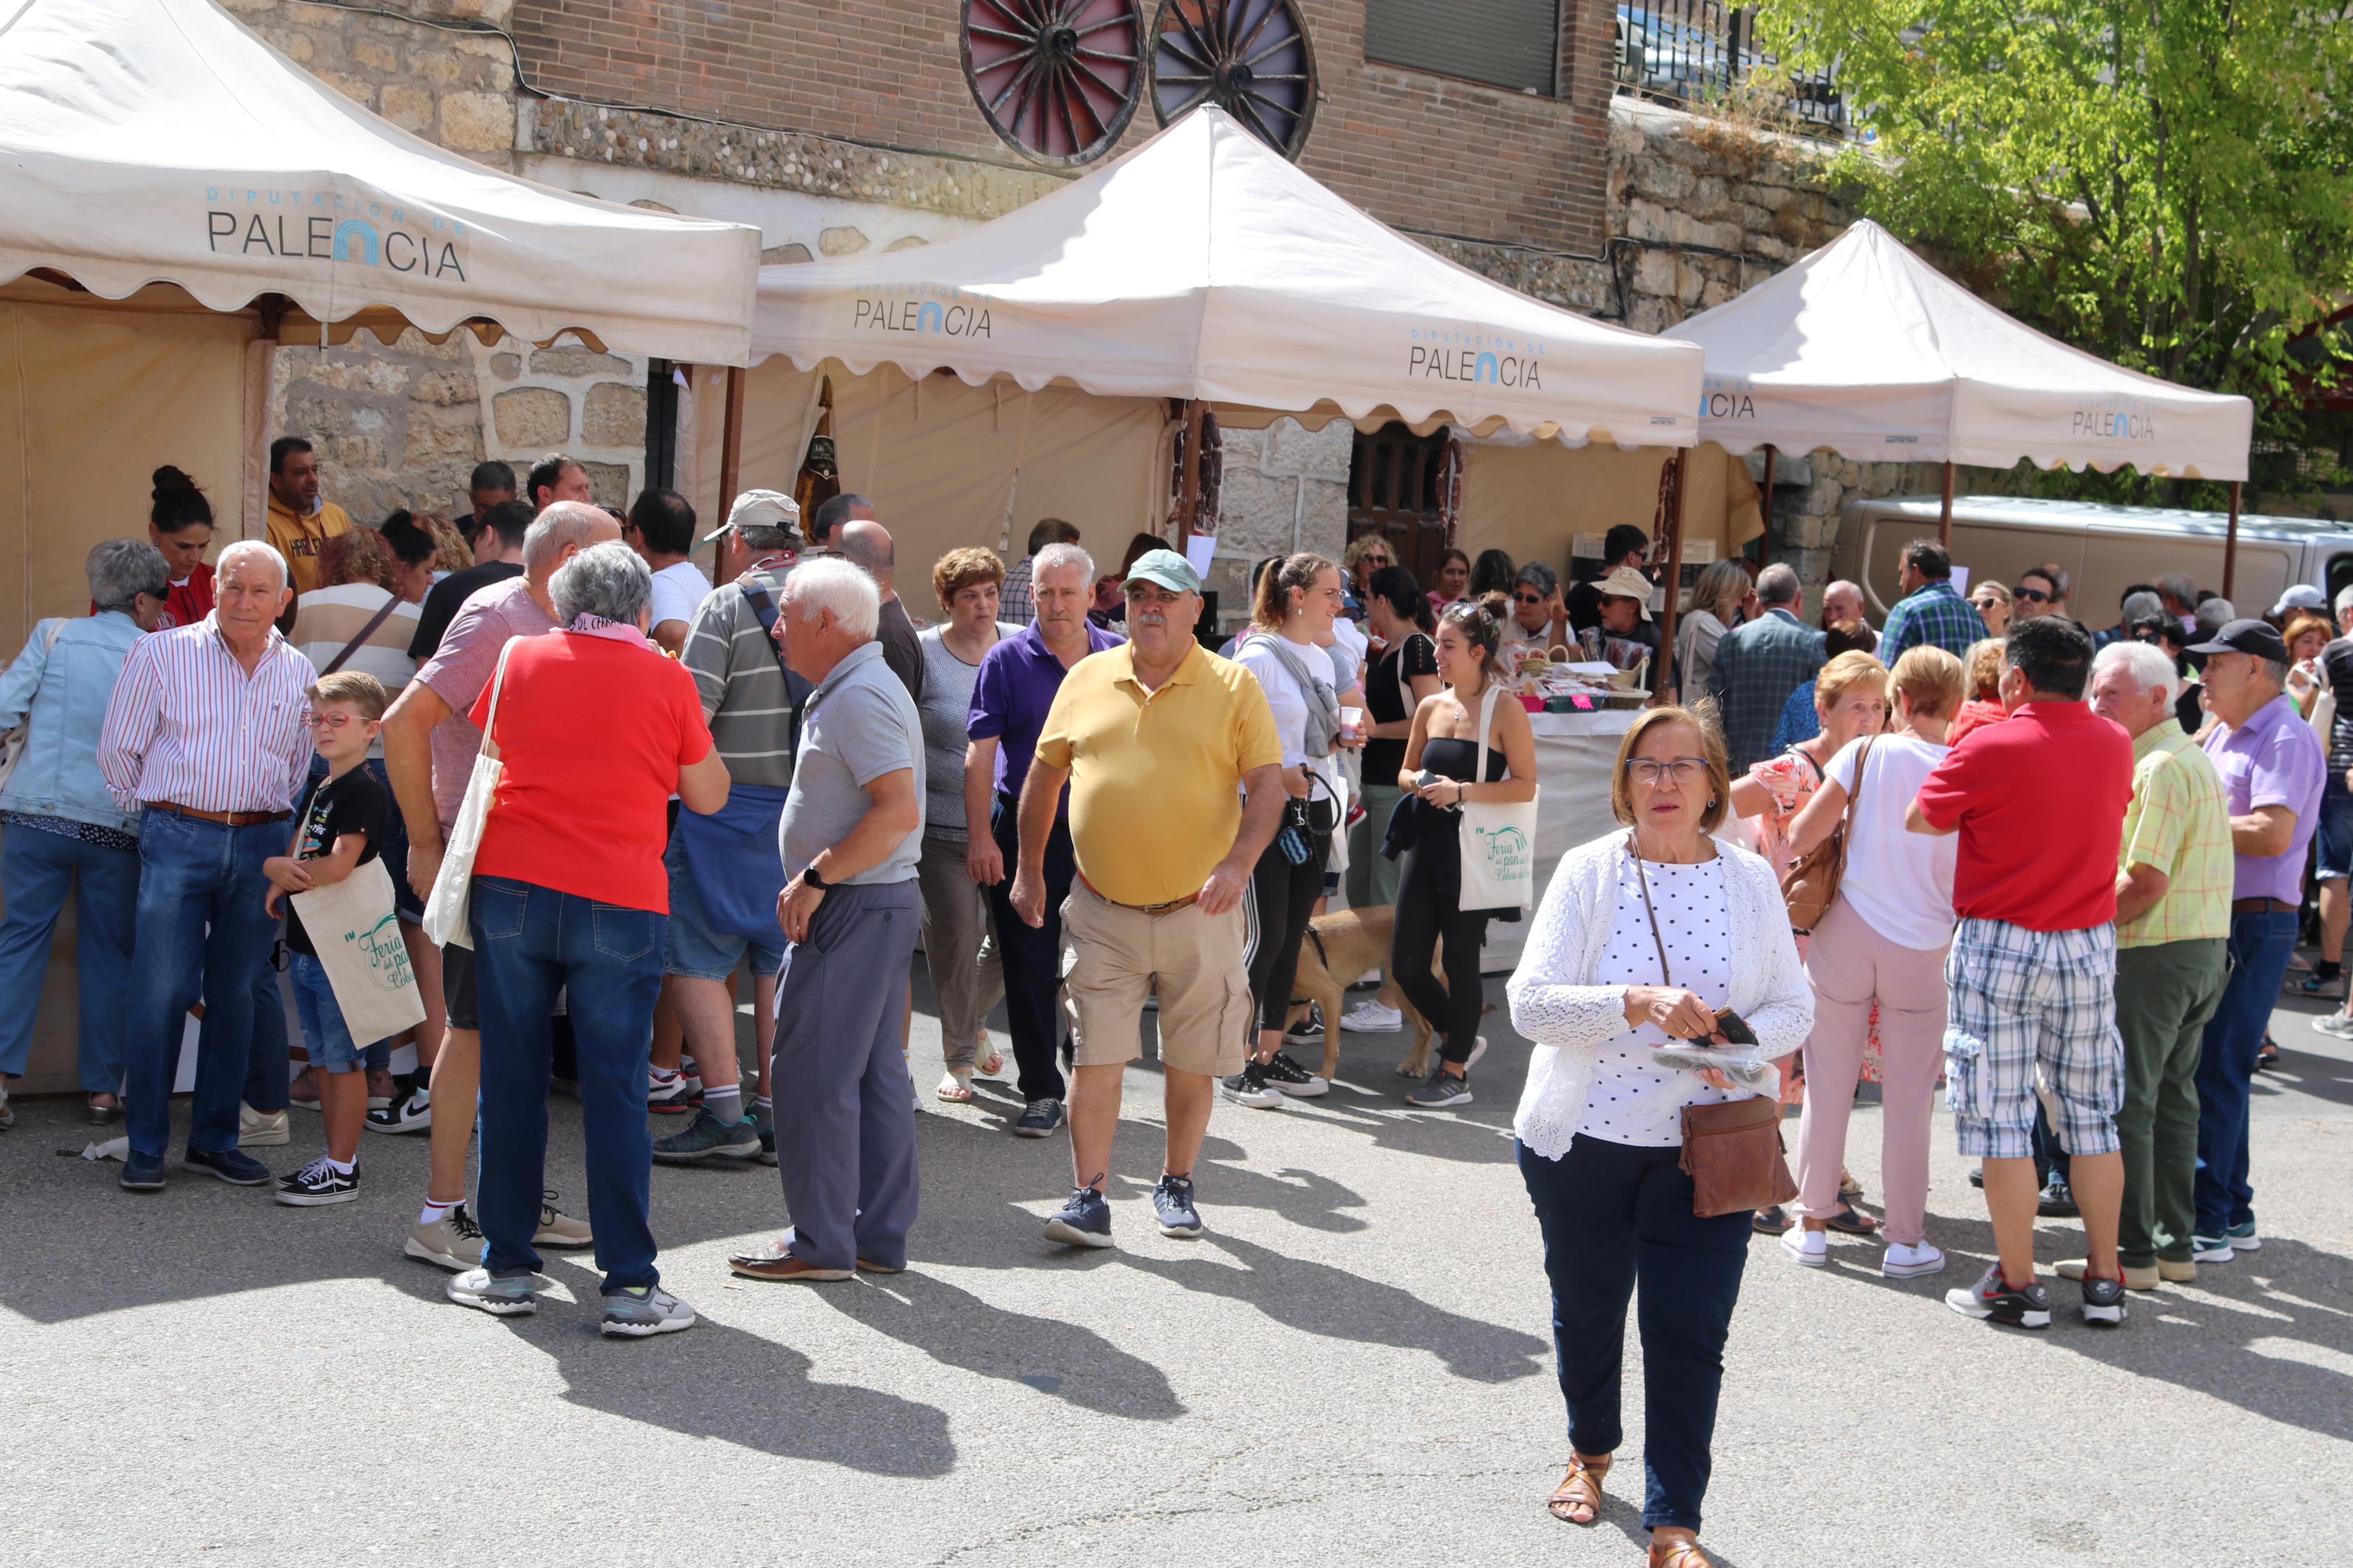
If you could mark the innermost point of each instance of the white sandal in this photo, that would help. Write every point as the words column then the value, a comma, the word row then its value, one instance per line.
column 955, row 1088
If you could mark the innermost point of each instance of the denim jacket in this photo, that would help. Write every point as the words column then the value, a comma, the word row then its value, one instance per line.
column 66, row 689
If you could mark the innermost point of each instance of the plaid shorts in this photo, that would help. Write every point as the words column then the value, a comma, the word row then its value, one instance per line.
column 2021, row 997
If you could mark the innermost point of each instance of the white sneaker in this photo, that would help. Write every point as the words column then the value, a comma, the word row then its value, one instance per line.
column 1372, row 1018
column 1907, row 1262
column 260, row 1129
column 1811, row 1248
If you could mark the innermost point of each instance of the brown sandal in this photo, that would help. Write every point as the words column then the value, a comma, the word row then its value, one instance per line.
column 1679, row 1555
column 1580, row 1489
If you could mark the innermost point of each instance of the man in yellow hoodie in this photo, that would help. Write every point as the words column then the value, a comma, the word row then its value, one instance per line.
column 299, row 520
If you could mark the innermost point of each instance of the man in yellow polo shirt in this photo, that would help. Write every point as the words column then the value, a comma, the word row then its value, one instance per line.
column 1174, row 775
column 299, row 520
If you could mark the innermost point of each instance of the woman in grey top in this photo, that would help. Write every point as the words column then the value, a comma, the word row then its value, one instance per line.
column 965, row 980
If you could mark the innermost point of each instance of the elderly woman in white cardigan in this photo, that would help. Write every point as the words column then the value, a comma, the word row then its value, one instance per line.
column 1642, row 936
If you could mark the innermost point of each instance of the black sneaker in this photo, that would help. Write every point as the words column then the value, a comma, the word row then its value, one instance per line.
column 1977, row 1177
column 1172, row 1201
column 144, row 1173
column 1250, row 1087
column 237, row 1169
column 1289, row 1078
column 1308, row 1031
column 1084, row 1221
column 1439, row 1090
column 317, row 1185
column 2056, row 1200
column 2103, row 1302
column 1038, row 1119
column 764, row 1120
column 1992, row 1298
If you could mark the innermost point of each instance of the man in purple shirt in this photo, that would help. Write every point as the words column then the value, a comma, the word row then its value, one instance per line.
column 2273, row 772
column 1010, row 698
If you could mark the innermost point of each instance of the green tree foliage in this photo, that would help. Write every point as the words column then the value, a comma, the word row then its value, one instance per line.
column 2167, row 183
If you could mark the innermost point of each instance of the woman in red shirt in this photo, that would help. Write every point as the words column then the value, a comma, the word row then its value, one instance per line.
column 181, row 524
column 593, row 731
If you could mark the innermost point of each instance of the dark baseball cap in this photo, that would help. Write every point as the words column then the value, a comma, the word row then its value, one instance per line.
column 2246, row 635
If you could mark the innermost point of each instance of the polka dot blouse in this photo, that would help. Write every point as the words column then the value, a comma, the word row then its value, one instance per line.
column 1634, row 1100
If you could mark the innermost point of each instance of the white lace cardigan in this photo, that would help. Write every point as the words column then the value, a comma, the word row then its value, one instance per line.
column 1558, row 1002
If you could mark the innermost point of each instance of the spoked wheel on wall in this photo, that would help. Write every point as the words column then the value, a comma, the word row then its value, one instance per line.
column 1058, row 80
column 1249, row 57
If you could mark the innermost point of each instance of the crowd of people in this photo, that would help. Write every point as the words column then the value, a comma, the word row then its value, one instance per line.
column 790, row 782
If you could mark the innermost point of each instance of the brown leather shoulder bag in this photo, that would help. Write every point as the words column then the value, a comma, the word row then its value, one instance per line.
column 1810, row 886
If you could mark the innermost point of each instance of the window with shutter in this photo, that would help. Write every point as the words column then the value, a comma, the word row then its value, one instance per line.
column 1504, row 43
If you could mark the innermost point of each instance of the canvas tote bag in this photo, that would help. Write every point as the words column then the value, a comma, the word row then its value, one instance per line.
column 1498, row 841
column 445, row 911
column 356, row 934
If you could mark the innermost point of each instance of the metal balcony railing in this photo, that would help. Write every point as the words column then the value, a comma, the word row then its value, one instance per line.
column 1694, row 54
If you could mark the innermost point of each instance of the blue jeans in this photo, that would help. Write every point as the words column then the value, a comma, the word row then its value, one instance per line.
column 2261, row 945
column 35, row 870
column 192, row 874
column 531, row 941
column 323, row 1030
column 2333, row 839
column 269, row 1077
column 1614, row 1216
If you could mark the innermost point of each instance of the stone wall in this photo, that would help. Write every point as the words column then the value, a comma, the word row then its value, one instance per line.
column 1282, row 490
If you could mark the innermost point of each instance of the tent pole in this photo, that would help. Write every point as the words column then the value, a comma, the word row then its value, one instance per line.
column 1944, row 513
column 1188, row 488
column 731, row 458
column 1765, row 545
column 1663, row 667
column 2230, row 543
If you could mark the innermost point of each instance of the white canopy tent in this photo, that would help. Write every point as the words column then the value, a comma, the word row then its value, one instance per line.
column 1866, row 350
column 1204, row 266
column 145, row 140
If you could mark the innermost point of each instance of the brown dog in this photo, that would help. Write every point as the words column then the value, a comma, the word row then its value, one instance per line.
column 1341, row 949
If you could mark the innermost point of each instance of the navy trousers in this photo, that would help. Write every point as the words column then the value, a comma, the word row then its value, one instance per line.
column 1615, row 1217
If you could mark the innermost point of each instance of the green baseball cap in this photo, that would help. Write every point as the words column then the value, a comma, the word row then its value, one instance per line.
column 1168, row 569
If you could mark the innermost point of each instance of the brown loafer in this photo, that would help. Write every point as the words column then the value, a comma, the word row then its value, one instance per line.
column 870, row 1267
column 782, row 1263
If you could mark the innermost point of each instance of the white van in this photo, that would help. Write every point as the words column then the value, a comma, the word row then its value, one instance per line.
column 2104, row 549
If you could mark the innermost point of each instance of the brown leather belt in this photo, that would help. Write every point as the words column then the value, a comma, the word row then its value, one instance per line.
column 225, row 819
column 1172, row 906
column 2261, row 907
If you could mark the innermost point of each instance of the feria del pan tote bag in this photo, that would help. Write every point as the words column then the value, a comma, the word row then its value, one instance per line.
column 445, row 911
column 1499, row 842
column 356, row 934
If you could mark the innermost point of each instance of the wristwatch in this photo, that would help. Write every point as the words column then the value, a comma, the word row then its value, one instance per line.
column 812, row 878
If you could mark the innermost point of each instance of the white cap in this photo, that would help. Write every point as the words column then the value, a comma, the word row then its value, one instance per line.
column 760, row 509
column 2301, row 597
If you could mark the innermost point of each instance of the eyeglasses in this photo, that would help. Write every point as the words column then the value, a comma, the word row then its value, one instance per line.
column 2033, row 595
column 334, row 720
column 1657, row 770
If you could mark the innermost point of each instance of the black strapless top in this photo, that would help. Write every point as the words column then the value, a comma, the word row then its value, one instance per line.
column 1453, row 758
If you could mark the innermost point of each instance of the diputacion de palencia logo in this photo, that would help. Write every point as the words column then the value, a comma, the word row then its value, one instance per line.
column 1468, row 354
column 921, row 308
column 322, row 226
column 1727, row 397
column 2114, row 417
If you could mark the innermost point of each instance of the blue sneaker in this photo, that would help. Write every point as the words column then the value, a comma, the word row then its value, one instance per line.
column 234, row 1167
column 2243, row 1237
column 1038, row 1119
column 142, row 1173
column 1172, row 1202
column 1084, row 1221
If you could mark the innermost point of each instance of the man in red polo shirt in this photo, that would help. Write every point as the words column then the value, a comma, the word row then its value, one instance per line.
column 2039, row 801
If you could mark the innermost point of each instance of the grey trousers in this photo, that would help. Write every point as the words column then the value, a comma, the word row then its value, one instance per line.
column 966, row 979
column 844, row 1108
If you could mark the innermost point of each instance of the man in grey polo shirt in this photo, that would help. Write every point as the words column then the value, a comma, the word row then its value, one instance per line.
column 852, row 835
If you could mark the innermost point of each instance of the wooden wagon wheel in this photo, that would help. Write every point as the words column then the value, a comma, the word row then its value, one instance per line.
column 1056, row 79
column 1252, row 57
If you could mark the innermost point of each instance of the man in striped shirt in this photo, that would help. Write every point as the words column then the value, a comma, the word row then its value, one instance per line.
column 207, row 738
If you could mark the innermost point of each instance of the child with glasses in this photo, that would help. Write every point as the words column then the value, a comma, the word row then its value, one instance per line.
column 337, row 828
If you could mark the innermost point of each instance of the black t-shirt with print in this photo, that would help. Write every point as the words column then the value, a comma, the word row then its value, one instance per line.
column 355, row 803
column 1388, row 699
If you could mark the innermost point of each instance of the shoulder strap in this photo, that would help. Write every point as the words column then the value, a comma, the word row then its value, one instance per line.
column 391, row 602
column 1479, row 769
column 498, row 685
column 797, row 691
column 49, row 643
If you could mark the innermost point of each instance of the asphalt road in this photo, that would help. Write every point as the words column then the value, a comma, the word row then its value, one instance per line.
column 1355, row 1364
